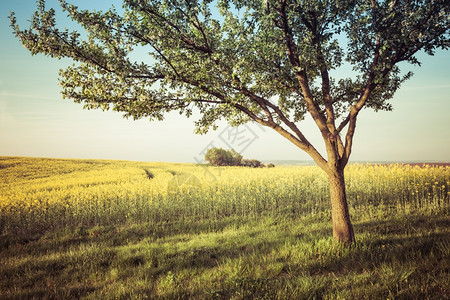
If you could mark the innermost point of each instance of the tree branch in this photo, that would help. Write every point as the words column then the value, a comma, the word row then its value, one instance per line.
column 184, row 38
column 370, row 85
column 308, row 148
column 302, row 78
column 299, row 141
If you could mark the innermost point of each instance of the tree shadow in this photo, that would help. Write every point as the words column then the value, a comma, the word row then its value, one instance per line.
column 393, row 242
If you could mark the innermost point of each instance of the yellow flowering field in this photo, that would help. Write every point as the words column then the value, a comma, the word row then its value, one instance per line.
column 37, row 194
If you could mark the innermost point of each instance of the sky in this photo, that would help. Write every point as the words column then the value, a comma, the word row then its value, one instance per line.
column 36, row 122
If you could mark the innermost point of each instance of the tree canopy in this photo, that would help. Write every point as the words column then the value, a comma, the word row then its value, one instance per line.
column 268, row 61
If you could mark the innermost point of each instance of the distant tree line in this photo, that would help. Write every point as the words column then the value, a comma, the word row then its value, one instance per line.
column 222, row 157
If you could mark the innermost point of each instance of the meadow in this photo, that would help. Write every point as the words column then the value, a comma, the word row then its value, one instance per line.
column 99, row 229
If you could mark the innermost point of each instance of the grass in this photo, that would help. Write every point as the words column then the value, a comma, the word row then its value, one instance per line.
column 406, row 256
column 402, row 249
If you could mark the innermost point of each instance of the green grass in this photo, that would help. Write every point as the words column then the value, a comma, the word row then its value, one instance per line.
column 193, row 247
column 405, row 256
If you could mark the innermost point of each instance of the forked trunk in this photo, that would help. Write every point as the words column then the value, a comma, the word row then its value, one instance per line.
column 342, row 227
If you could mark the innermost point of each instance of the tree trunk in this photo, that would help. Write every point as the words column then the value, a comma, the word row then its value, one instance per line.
column 342, row 227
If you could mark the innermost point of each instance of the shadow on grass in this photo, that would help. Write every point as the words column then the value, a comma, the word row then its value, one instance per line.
column 47, row 241
column 388, row 240
column 404, row 257
column 414, row 243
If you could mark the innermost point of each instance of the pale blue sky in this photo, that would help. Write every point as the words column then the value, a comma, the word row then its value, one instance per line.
column 36, row 121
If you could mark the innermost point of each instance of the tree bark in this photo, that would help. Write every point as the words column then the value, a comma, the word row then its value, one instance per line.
column 342, row 227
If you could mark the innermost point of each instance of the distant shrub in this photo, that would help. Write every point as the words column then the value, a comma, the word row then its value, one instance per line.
column 222, row 157
column 252, row 163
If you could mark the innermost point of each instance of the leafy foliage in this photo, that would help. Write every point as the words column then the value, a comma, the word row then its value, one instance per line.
column 222, row 157
column 254, row 163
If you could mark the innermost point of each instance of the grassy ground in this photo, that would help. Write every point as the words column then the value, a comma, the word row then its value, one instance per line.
column 402, row 252
column 402, row 256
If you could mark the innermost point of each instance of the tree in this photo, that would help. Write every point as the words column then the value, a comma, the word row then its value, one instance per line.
column 222, row 157
column 254, row 163
column 235, row 158
column 267, row 61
